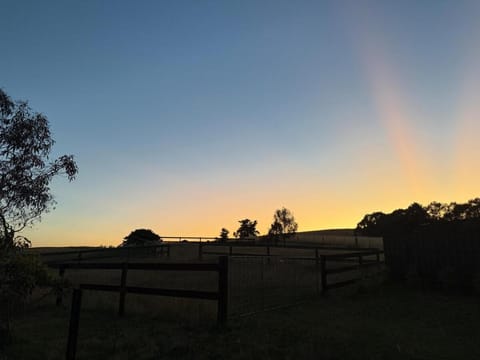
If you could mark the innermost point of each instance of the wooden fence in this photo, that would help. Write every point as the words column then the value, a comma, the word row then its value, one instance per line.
column 268, row 250
column 325, row 266
column 359, row 262
column 126, row 252
column 262, row 283
column 221, row 295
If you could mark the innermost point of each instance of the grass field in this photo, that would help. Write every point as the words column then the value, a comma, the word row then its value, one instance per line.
column 255, row 283
column 382, row 322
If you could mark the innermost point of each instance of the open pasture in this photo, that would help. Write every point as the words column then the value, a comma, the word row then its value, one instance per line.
column 344, row 238
column 256, row 282
column 374, row 324
column 256, row 278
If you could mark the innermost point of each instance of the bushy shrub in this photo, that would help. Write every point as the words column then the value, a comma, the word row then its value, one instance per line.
column 20, row 273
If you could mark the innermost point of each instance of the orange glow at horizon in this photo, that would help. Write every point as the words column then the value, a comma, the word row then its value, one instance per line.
column 323, row 194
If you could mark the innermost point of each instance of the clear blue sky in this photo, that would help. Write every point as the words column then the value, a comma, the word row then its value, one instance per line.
column 186, row 116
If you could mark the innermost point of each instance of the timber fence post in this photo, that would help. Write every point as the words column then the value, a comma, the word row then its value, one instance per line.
column 123, row 290
column 222, row 310
column 317, row 272
column 323, row 273
column 61, row 273
column 74, row 323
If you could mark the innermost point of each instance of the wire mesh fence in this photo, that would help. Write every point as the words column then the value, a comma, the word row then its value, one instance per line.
column 262, row 283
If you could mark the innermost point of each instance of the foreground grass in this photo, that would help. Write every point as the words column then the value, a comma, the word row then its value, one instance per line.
column 388, row 322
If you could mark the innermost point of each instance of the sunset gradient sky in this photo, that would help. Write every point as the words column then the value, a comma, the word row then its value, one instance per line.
column 187, row 116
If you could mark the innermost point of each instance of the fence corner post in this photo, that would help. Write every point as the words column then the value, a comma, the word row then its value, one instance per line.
column 74, row 323
column 323, row 273
column 123, row 290
column 61, row 273
column 317, row 272
column 222, row 310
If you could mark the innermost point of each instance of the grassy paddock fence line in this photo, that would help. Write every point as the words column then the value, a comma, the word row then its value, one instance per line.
column 105, row 253
column 164, row 248
column 357, row 257
column 221, row 295
column 343, row 263
column 221, row 267
column 232, row 251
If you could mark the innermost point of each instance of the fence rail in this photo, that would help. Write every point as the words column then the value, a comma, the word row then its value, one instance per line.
column 231, row 250
column 221, row 295
column 323, row 270
column 105, row 253
column 358, row 257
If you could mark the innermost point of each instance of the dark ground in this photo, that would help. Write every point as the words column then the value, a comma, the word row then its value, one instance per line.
column 386, row 322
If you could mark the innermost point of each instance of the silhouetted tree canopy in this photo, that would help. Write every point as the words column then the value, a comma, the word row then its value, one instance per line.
column 406, row 220
column 283, row 226
column 25, row 169
column 247, row 229
column 141, row 237
column 223, row 235
column 25, row 175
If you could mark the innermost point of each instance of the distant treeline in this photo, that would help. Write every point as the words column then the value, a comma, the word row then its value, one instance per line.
column 404, row 221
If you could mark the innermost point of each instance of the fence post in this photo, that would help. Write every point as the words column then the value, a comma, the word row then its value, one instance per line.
column 74, row 322
column 200, row 250
column 323, row 273
column 168, row 250
column 61, row 273
column 317, row 272
column 222, row 310
column 262, row 278
column 230, row 250
column 123, row 290
column 268, row 250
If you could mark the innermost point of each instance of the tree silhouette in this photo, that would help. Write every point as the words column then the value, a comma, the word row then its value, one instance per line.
column 399, row 221
column 141, row 237
column 247, row 229
column 25, row 176
column 25, row 169
column 223, row 235
column 283, row 226
column 407, row 220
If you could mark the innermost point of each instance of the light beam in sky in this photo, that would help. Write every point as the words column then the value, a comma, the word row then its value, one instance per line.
column 391, row 104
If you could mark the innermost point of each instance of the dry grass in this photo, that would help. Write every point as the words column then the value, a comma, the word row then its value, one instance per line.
column 380, row 323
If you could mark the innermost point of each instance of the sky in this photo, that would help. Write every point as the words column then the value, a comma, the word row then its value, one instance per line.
column 187, row 116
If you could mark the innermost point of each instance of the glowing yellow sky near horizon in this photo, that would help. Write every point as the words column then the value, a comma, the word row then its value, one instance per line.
column 375, row 179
